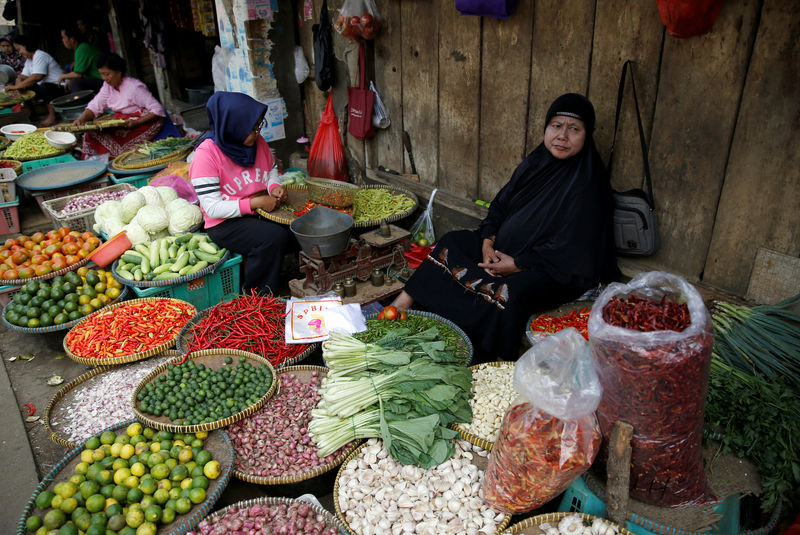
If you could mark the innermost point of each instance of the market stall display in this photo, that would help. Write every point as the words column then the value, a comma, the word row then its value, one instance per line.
column 96, row 400
column 128, row 331
column 95, row 483
column 445, row 499
column 44, row 256
column 11, row 98
column 33, row 146
column 271, row 515
column 566, row 524
column 248, row 323
column 204, row 390
column 169, row 260
column 154, row 153
column 77, row 211
column 16, row 165
column 272, row 445
column 492, row 394
column 542, row 325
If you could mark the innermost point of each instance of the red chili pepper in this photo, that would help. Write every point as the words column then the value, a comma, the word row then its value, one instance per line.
column 31, row 409
column 647, row 315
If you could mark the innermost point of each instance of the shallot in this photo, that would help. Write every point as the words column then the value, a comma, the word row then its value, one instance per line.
column 90, row 200
column 278, row 519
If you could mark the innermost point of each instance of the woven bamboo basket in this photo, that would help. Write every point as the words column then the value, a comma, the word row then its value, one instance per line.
column 51, row 275
column 169, row 282
column 218, row 444
column 93, row 126
column 330, row 519
column 50, row 152
column 530, row 526
column 182, row 344
column 16, row 165
column 68, row 325
column 395, row 190
column 296, row 197
column 303, row 373
column 332, row 193
column 478, row 461
column 127, row 358
column 12, row 98
column 72, row 390
column 471, row 437
column 211, row 358
column 127, row 160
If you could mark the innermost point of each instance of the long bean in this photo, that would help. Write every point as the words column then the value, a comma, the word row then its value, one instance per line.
column 377, row 203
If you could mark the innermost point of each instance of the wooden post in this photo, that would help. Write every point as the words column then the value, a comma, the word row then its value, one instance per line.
column 618, row 472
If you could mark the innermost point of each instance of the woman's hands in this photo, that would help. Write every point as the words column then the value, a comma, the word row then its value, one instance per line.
column 264, row 202
column 278, row 192
column 496, row 263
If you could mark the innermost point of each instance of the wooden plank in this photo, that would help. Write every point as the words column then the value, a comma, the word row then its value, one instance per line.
column 505, row 72
column 420, row 80
column 625, row 30
column 562, row 47
column 618, row 471
column 459, row 101
column 386, row 148
column 761, row 194
column 692, row 129
column 313, row 99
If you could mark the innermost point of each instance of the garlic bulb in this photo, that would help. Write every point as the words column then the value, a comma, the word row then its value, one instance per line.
column 571, row 525
column 601, row 527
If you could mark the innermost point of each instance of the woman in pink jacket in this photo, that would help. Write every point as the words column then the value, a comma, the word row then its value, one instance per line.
column 234, row 174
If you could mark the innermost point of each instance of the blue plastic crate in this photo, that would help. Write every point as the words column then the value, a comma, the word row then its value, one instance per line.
column 44, row 162
column 579, row 498
column 137, row 180
column 214, row 288
column 9, row 217
column 7, row 293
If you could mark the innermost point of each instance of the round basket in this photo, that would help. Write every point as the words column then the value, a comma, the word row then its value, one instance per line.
column 127, row 358
column 218, row 444
column 72, row 390
column 16, row 97
column 211, row 358
column 169, row 282
column 530, row 526
column 478, row 461
column 465, row 348
column 296, row 198
column 127, row 160
column 68, row 325
column 182, row 344
column 16, row 165
column 51, row 154
column 303, row 372
column 471, row 437
column 330, row 519
column 331, row 193
column 395, row 190
column 52, row 275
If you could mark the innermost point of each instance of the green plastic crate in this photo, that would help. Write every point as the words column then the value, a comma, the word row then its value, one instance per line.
column 44, row 162
column 7, row 293
column 214, row 288
column 137, row 180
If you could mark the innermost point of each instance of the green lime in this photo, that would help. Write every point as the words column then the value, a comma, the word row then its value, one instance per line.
column 83, row 520
column 120, row 493
column 34, row 522
column 45, row 320
column 197, row 495
column 108, row 437
column 96, row 529
column 74, row 315
column 152, row 513
column 54, row 519
column 116, row 522
column 135, row 496
column 70, row 306
column 68, row 529
column 167, row 515
column 95, row 503
column 44, row 499
column 134, row 518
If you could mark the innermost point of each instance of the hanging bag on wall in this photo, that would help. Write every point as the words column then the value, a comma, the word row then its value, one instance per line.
column 635, row 223
column 327, row 158
column 323, row 49
column 360, row 101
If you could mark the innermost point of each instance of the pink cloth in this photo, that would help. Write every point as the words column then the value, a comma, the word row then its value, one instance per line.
column 133, row 97
column 236, row 183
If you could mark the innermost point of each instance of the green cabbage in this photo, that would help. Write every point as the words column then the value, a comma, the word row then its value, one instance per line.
column 167, row 194
column 152, row 218
column 184, row 217
column 130, row 204
column 107, row 210
column 136, row 233
column 151, row 196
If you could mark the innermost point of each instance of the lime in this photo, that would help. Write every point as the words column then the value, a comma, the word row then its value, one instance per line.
column 56, row 503
column 119, row 463
column 95, row 503
column 68, row 529
column 65, row 489
column 116, row 522
column 54, row 519
column 178, row 473
column 44, row 499
column 138, row 469
column 197, row 495
column 161, row 496
column 113, row 509
column 108, row 437
column 107, row 490
column 134, row 518
column 203, row 457
column 69, row 505
column 96, row 529
column 148, row 528
column 211, row 469
column 83, row 521
column 87, row 488
column 135, row 495
column 120, row 493
column 148, row 485
column 116, row 447
column 33, row 523
column 127, row 451
column 167, row 515
column 121, row 475
column 104, row 477
column 200, row 482
column 183, row 506
column 152, row 513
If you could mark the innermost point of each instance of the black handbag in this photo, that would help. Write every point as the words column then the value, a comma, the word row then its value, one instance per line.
column 635, row 223
column 323, row 50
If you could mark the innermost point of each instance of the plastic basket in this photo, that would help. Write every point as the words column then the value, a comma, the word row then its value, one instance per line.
column 8, row 184
column 221, row 285
column 44, row 162
column 7, row 293
column 9, row 217
column 83, row 220
column 72, row 190
column 137, row 181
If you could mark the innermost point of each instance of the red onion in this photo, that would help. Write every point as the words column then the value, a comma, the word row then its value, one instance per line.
column 90, row 200
column 297, row 517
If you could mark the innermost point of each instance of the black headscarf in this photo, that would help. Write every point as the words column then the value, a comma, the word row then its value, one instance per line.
column 556, row 214
column 231, row 118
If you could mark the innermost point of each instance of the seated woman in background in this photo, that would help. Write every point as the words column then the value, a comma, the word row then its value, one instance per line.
column 9, row 55
column 84, row 74
column 129, row 99
column 547, row 239
column 234, row 174
column 41, row 74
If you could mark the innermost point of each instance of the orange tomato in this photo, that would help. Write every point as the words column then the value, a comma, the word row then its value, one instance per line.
column 38, row 259
column 38, row 237
column 57, row 255
column 59, row 263
column 86, row 235
column 52, row 234
column 73, row 259
column 36, row 247
column 10, row 274
column 83, row 253
column 5, row 253
column 390, row 312
column 4, row 267
column 19, row 257
column 94, row 241
column 42, row 270
column 29, row 244
column 63, row 231
column 51, row 249
column 69, row 248
column 69, row 239
column 9, row 242
column 22, row 238
column 25, row 273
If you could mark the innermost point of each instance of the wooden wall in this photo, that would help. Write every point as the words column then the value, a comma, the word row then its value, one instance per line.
column 721, row 112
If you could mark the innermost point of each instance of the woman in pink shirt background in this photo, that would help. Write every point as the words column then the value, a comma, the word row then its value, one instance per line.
column 234, row 174
column 129, row 99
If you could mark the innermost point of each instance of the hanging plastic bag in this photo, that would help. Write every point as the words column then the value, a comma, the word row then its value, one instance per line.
column 218, row 62
column 360, row 101
column 688, row 19
column 323, row 50
column 422, row 230
column 380, row 116
column 657, row 382
column 549, row 435
column 301, row 69
column 327, row 159
column 358, row 19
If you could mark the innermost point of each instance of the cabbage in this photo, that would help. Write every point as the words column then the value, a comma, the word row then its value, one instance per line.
column 107, row 210
column 184, row 217
column 175, row 204
column 130, row 204
column 136, row 233
column 151, row 196
column 160, row 234
column 152, row 218
column 167, row 194
column 113, row 226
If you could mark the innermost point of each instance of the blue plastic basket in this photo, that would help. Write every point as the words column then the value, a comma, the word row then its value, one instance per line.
column 221, row 285
column 138, row 181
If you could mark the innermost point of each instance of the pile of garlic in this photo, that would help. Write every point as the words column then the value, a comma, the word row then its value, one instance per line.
column 492, row 395
column 378, row 495
column 574, row 525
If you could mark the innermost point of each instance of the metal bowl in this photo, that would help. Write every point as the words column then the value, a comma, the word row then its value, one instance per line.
column 322, row 231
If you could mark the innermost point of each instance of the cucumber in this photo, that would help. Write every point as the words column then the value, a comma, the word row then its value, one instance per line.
column 155, row 259
column 143, row 250
column 192, row 258
column 137, row 275
column 185, row 269
column 198, row 266
column 173, row 251
column 163, row 252
column 183, row 238
column 207, row 247
column 166, row 276
column 162, row 268
column 131, row 258
column 192, row 245
column 145, row 266
column 125, row 274
column 210, row 258
column 181, row 249
column 181, row 262
column 150, row 276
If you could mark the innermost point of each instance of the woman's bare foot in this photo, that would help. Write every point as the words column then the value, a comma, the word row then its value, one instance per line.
column 403, row 301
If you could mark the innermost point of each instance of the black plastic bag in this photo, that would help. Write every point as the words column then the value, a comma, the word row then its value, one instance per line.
column 323, row 49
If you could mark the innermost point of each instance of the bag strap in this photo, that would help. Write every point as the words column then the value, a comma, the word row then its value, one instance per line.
column 362, row 65
column 648, row 190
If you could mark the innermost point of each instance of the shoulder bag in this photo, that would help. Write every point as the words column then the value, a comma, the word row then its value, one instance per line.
column 360, row 101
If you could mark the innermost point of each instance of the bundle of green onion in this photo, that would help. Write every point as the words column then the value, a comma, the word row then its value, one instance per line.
column 154, row 150
column 762, row 339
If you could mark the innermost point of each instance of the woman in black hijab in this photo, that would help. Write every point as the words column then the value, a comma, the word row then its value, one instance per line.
column 546, row 240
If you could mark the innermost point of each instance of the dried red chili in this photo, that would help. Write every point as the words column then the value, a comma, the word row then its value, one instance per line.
column 536, row 457
column 647, row 315
column 249, row 323
column 311, row 204
column 578, row 319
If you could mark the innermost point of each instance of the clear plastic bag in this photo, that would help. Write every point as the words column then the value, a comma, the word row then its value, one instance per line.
column 301, row 68
column 358, row 19
column 422, row 230
column 549, row 435
column 657, row 382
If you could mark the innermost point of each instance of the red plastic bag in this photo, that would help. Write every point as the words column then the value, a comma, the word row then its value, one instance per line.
column 688, row 18
column 327, row 159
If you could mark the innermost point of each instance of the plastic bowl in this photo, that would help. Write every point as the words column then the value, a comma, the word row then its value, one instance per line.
column 111, row 250
column 60, row 140
column 17, row 130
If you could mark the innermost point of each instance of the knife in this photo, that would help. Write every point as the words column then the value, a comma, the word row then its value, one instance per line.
column 407, row 144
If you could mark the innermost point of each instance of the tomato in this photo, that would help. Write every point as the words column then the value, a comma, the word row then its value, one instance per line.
column 10, row 274
column 4, row 267
column 83, row 253
column 25, row 273
column 59, row 263
column 22, row 238
column 42, row 270
column 69, row 239
column 69, row 248
column 9, row 242
column 73, row 259
column 87, row 235
column 39, row 259
column 52, row 235
column 57, row 254
column 74, row 233
column 63, row 231
column 29, row 244
column 390, row 312
column 52, row 249
column 5, row 253
column 19, row 257
column 37, row 237
column 94, row 241
column 403, row 316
